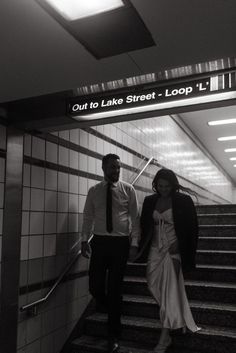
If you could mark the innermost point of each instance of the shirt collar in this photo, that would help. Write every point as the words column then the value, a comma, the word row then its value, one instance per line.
column 105, row 182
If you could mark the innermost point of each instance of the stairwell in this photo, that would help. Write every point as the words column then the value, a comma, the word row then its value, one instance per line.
column 211, row 290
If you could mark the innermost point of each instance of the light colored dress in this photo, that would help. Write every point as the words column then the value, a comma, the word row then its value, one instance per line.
column 166, row 287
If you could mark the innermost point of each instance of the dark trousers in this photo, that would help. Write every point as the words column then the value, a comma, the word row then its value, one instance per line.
column 106, row 272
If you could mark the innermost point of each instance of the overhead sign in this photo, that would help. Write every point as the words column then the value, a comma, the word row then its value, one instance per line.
column 148, row 98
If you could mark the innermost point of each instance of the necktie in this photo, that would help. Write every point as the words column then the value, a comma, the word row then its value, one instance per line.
column 109, row 208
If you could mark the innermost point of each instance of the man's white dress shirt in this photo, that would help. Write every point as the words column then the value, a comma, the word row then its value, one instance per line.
column 125, row 215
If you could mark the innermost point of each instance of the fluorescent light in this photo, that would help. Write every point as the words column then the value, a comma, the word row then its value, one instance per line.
column 226, row 138
column 221, row 122
column 235, row 165
column 198, row 168
column 219, row 184
column 74, row 9
column 230, row 150
column 233, row 158
column 158, row 106
column 207, row 177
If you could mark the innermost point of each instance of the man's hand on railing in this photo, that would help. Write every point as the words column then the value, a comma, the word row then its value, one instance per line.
column 133, row 252
column 85, row 249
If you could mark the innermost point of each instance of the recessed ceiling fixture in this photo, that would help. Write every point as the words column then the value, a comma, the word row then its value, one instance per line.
column 230, row 150
column 73, row 9
column 226, row 138
column 222, row 122
column 104, row 27
column 233, row 158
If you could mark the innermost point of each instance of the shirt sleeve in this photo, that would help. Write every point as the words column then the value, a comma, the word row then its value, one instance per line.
column 135, row 219
column 88, row 216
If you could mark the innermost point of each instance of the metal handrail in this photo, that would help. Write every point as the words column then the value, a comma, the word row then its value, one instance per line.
column 141, row 172
column 31, row 308
column 138, row 168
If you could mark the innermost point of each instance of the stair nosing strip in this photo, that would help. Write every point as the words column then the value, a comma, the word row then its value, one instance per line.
column 216, row 238
column 217, row 251
column 215, row 267
column 215, row 214
column 187, row 282
column 217, row 225
column 193, row 303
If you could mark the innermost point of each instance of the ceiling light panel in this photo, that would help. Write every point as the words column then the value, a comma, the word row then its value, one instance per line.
column 228, row 150
column 226, row 138
column 104, row 27
column 222, row 122
column 73, row 9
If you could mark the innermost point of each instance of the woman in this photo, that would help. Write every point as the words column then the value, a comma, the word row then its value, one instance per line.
column 169, row 239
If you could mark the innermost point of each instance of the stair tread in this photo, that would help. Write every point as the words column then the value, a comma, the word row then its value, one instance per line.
column 217, row 251
column 216, row 214
column 126, row 346
column 216, row 238
column 101, row 344
column 187, row 282
column 193, row 303
column 154, row 323
column 211, row 284
column 216, row 267
column 217, row 225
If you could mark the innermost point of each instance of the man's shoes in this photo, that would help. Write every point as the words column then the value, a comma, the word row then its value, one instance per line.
column 113, row 345
column 162, row 347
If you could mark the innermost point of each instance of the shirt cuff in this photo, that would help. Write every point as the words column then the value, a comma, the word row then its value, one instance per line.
column 134, row 241
column 84, row 237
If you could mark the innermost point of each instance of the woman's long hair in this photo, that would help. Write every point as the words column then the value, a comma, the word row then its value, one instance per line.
column 169, row 175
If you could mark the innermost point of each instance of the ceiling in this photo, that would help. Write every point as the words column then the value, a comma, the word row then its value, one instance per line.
column 39, row 57
column 197, row 122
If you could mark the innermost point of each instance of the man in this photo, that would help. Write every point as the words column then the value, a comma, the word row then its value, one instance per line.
column 110, row 212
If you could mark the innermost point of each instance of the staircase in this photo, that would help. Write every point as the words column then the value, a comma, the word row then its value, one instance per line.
column 211, row 291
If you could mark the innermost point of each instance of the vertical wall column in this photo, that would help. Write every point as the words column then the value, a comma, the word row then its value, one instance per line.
column 11, row 242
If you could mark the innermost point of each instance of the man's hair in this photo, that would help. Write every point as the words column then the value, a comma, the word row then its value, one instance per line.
column 108, row 157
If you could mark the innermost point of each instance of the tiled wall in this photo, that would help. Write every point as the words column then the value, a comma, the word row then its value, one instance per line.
column 174, row 147
column 53, row 200
column 58, row 170
column 2, row 183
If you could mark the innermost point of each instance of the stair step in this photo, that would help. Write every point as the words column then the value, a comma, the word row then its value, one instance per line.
column 91, row 344
column 223, row 230
column 203, row 313
column 216, row 257
column 217, row 243
column 210, row 273
column 145, row 332
column 213, row 273
column 211, row 290
column 196, row 290
column 228, row 208
column 217, row 219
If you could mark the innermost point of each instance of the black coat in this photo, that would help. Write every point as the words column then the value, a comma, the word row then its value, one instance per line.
column 185, row 224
